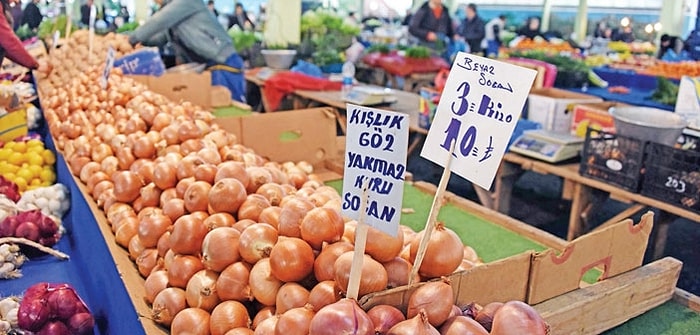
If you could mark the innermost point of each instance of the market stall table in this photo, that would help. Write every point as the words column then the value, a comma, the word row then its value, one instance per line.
column 416, row 72
column 585, row 194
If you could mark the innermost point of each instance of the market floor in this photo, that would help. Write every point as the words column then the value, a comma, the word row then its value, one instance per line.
column 536, row 201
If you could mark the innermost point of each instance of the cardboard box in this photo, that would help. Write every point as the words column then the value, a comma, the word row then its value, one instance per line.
column 192, row 87
column 552, row 107
column 220, row 96
column 536, row 277
column 145, row 61
column 595, row 115
column 305, row 134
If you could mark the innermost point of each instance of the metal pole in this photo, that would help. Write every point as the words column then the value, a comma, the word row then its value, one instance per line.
column 546, row 13
column 581, row 24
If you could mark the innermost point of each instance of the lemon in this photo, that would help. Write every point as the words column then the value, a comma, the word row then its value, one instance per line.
column 47, row 176
column 16, row 158
column 8, row 168
column 21, row 183
column 5, row 154
column 36, row 170
column 46, row 183
column 25, row 173
column 35, row 143
column 36, row 149
column 20, row 147
column 10, row 145
column 35, row 182
column 9, row 176
column 34, row 158
column 49, row 157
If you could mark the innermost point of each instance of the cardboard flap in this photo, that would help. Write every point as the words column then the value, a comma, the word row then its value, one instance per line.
column 615, row 249
column 307, row 134
column 470, row 285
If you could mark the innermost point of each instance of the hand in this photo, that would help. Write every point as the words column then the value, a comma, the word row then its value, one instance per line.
column 44, row 67
column 431, row 37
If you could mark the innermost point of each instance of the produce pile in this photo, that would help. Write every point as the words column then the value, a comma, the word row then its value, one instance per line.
column 27, row 163
column 53, row 309
column 540, row 44
column 225, row 238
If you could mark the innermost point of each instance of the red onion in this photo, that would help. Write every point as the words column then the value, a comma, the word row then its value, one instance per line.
column 32, row 314
column 28, row 230
column 9, row 189
column 81, row 323
column 8, row 226
column 434, row 299
column 55, row 328
column 384, row 317
column 517, row 317
column 418, row 325
column 342, row 317
column 486, row 314
column 63, row 303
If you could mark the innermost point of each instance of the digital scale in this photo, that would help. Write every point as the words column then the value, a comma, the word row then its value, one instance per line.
column 547, row 145
column 370, row 95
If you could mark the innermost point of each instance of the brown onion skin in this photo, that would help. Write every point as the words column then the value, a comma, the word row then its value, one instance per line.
column 323, row 294
column 233, row 282
column 435, row 299
column 220, row 248
column 342, row 317
column 228, row 315
column 262, row 315
column 462, row 325
column 382, row 246
column 295, row 321
column 384, row 317
column 168, row 303
column 267, row 326
column 398, row 271
column 443, row 254
column 227, row 195
column 486, row 314
column 187, row 235
column 323, row 265
column 154, row 284
column 256, row 242
column 240, row 331
column 373, row 278
column 291, row 259
column 417, row 325
column 182, row 269
column 291, row 295
column 322, row 225
column 517, row 317
column 191, row 321
column 263, row 285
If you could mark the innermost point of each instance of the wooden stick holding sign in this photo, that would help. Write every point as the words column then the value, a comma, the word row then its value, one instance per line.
column 360, row 243
column 91, row 29
column 432, row 217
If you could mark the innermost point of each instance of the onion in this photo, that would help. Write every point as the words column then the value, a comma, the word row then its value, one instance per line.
column 62, row 303
column 156, row 282
column 81, row 323
column 349, row 231
column 196, row 196
column 295, row 321
column 182, row 269
column 291, row 259
column 152, row 227
column 241, row 225
column 417, row 325
column 174, row 209
column 435, row 298
column 240, row 331
column 263, row 284
column 323, row 294
column 147, row 261
column 182, row 186
column 54, row 328
column 291, row 295
column 517, row 317
column 187, row 235
column 201, row 290
column 470, row 255
column 210, row 156
column 167, row 303
column 486, row 314
column 234, row 170
column 267, row 326
column 399, row 270
column 384, row 317
column 127, row 230
column 187, row 166
column 226, row 195
column 443, row 254
column 273, row 192
column 373, row 277
column 342, row 317
column 220, row 248
column 323, row 265
column 144, row 148
column 88, row 170
column 218, row 220
column 191, row 321
column 163, row 244
column 227, row 316
column 256, row 242
column 150, row 195
column 271, row 216
column 382, row 246
column 205, row 172
column 322, row 225
column 258, row 176
column 252, row 206
column 233, row 283
column 135, row 247
column 262, row 315
column 126, row 186
column 291, row 216
column 462, row 325
column 165, row 175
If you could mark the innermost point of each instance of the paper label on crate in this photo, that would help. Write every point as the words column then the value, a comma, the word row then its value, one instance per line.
column 375, row 155
column 109, row 64
column 478, row 110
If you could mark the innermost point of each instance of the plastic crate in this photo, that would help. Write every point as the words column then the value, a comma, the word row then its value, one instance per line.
column 672, row 176
column 613, row 158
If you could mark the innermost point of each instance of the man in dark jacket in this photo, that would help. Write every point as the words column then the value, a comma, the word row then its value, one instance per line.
column 32, row 15
column 197, row 37
column 432, row 24
column 472, row 29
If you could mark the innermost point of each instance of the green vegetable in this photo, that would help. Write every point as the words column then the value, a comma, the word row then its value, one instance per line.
column 666, row 92
column 129, row 26
column 24, row 32
column 326, row 56
column 418, row 52
column 243, row 40
column 381, row 48
column 571, row 72
column 47, row 27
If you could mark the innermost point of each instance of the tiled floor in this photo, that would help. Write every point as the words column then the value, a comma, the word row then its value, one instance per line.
column 536, row 202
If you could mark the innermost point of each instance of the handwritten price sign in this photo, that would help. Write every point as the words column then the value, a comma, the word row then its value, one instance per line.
column 478, row 110
column 376, row 145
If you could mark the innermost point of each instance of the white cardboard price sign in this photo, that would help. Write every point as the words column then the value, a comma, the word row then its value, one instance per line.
column 109, row 64
column 375, row 153
column 479, row 107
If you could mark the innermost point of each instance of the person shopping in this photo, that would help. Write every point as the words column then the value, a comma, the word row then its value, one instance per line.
column 196, row 36
column 12, row 48
column 432, row 24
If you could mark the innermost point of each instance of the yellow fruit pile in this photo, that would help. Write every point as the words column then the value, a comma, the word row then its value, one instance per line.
column 27, row 164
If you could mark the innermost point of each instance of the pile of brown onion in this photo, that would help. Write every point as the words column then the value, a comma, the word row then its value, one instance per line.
column 229, row 242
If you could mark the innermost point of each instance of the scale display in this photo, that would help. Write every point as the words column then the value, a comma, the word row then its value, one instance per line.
column 548, row 146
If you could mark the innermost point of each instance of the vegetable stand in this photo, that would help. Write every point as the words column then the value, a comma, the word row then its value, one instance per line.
column 90, row 269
